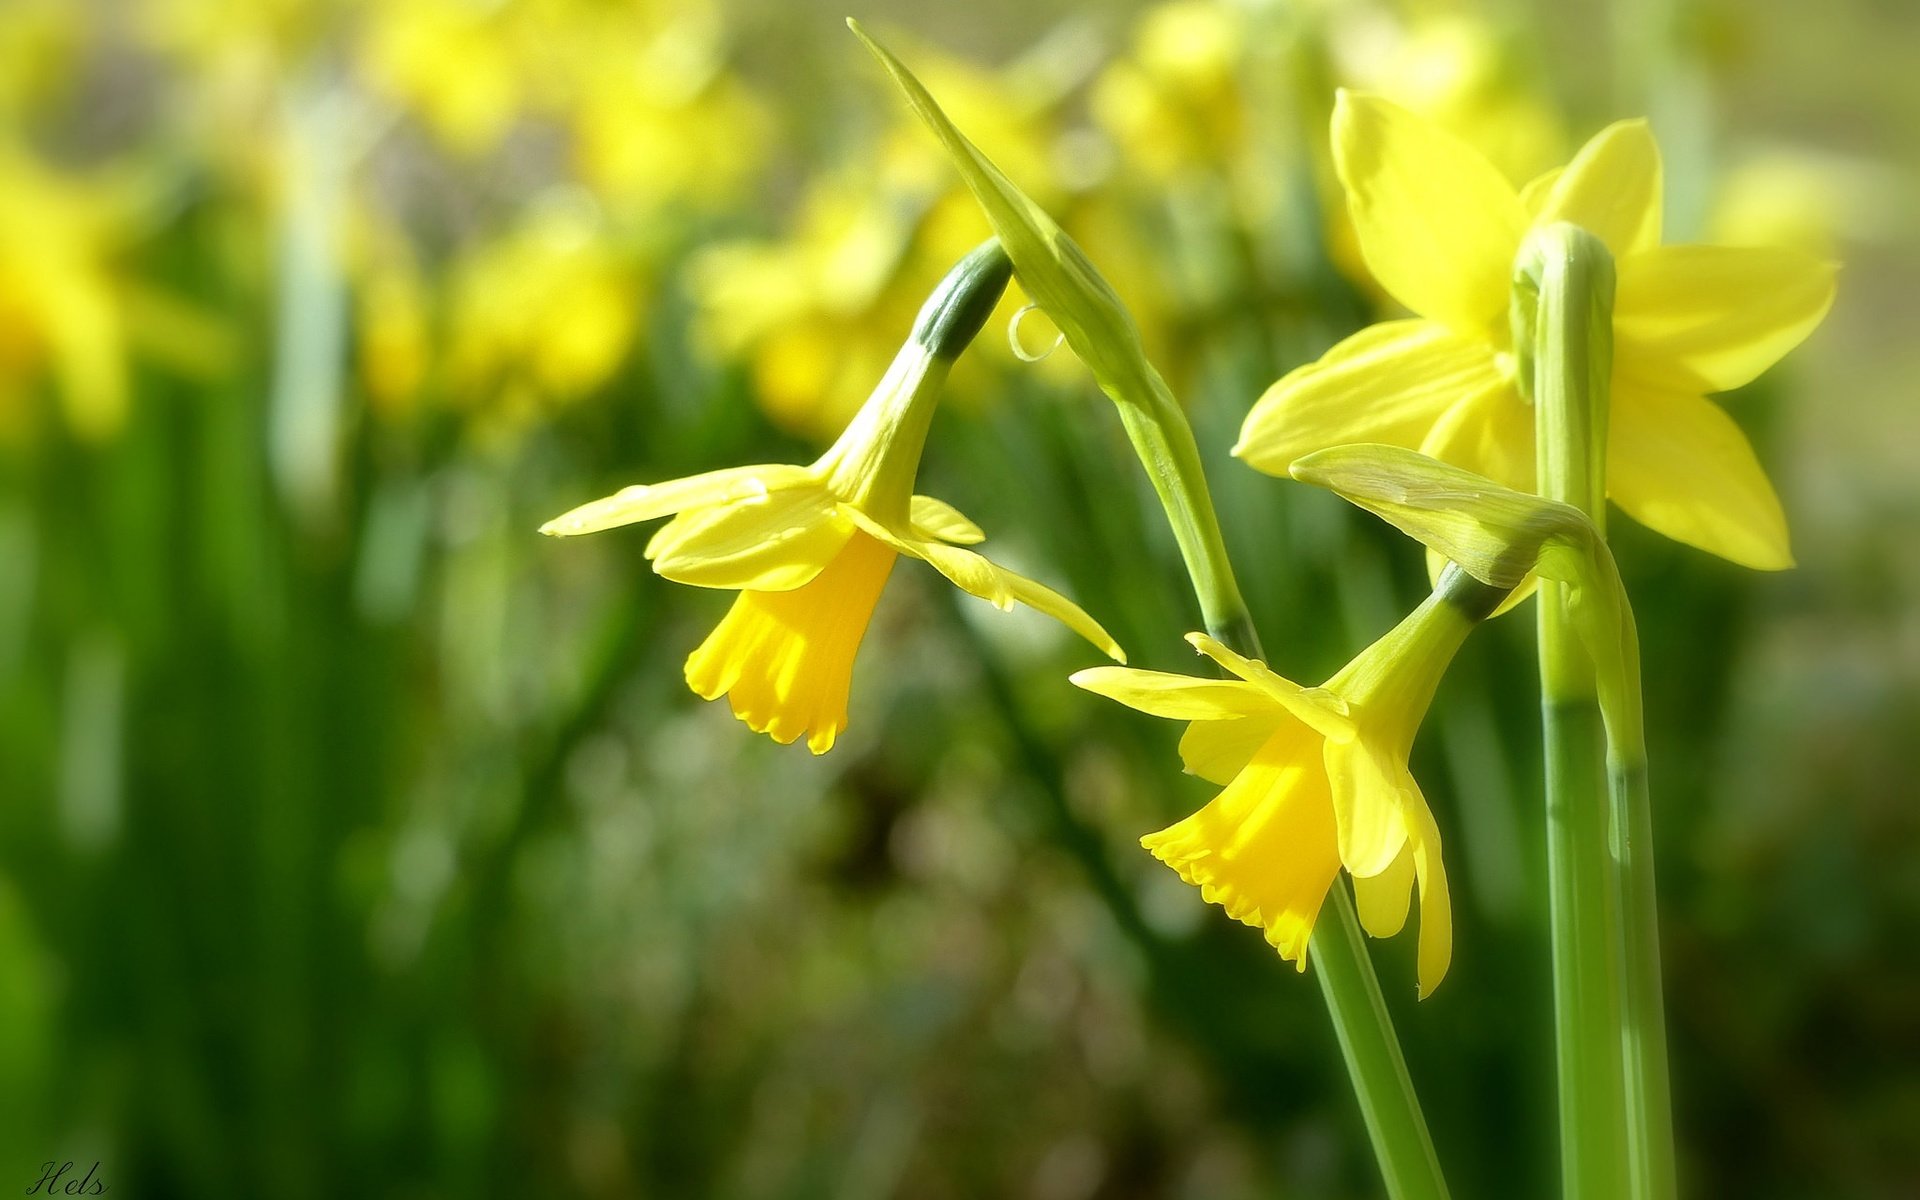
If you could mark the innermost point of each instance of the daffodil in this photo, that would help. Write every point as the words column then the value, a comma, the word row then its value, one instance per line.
column 809, row 548
column 62, row 305
column 1440, row 228
column 453, row 64
column 1175, row 102
column 1315, row 781
column 546, row 312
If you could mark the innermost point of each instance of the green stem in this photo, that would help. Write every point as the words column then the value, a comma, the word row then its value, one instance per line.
column 1388, row 1104
column 1587, row 972
column 1163, row 441
column 1562, row 316
column 1649, row 1093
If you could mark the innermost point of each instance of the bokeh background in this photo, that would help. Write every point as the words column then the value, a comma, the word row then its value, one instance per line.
column 354, row 840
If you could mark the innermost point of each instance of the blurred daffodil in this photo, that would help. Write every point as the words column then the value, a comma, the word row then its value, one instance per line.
column 61, row 311
column 451, row 62
column 1315, row 779
column 1462, row 72
column 656, row 116
column 809, row 548
column 546, row 312
column 1175, row 101
column 814, row 314
column 1440, row 228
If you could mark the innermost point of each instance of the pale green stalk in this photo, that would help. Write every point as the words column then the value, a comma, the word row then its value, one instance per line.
column 1649, row 1092
column 1497, row 536
column 1408, row 1165
column 1615, row 1123
column 1562, row 315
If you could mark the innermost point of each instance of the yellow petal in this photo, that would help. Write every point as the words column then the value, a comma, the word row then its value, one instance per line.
column 937, row 521
column 1176, row 697
column 1369, row 787
column 1383, row 899
column 1436, row 908
column 1611, row 189
column 1489, row 433
column 1263, row 849
column 1711, row 318
column 784, row 660
column 1533, row 197
column 1322, row 710
column 644, row 502
column 1002, row 588
column 1678, row 464
column 1388, row 383
column 1216, row 751
column 1438, row 225
column 773, row 544
column 86, row 334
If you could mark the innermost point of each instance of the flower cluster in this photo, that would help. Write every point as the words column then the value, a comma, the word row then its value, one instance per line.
column 1315, row 780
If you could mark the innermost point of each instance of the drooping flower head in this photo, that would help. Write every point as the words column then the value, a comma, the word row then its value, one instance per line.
column 810, row 548
column 1315, row 780
column 1440, row 227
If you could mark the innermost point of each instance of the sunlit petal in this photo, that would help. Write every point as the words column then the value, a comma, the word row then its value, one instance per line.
column 1489, row 433
column 1383, row 899
column 773, row 544
column 1533, row 197
column 1368, row 786
column 1218, row 750
column 977, row 576
column 1176, row 697
column 1612, row 189
column 936, row 520
column 1679, row 465
column 1436, row 907
column 1438, row 225
column 644, row 502
column 1321, row 709
column 1712, row 318
column 1388, row 383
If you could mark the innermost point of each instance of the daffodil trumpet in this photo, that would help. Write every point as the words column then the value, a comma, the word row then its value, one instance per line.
column 1315, row 780
column 809, row 548
column 1315, row 784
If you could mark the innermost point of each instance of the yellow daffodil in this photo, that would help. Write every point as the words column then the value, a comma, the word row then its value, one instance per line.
column 809, row 548
column 61, row 308
column 452, row 63
column 1175, row 102
column 1440, row 228
column 545, row 312
column 1315, row 780
column 658, row 117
